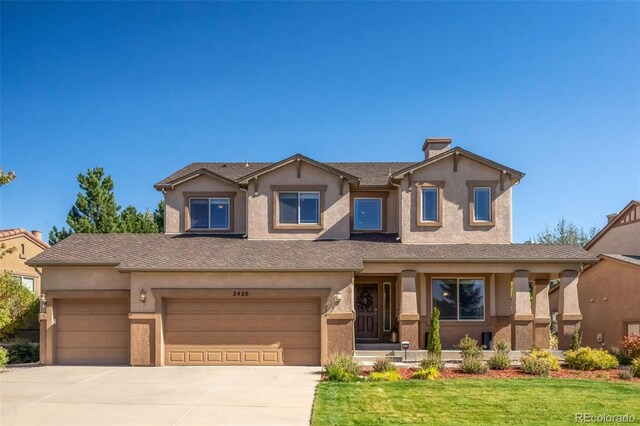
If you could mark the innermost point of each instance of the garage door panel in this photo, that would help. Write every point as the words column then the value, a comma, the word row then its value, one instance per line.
column 92, row 331
column 226, row 306
column 236, row 332
column 239, row 322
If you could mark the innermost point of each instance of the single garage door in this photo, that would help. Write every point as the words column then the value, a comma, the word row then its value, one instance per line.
column 92, row 331
column 239, row 332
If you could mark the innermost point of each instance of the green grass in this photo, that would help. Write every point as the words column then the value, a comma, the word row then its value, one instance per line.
column 471, row 401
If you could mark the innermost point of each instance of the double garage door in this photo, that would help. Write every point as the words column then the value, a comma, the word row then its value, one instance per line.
column 196, row 332
column 242, row 332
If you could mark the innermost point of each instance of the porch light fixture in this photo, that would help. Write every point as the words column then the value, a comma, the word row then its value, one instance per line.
column 338, row 297
column 43, row 299
column 143, row 296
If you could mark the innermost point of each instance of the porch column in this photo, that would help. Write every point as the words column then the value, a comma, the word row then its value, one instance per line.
column 542, row 320
column 569, row 315
column 521, row 315
column 409, row 317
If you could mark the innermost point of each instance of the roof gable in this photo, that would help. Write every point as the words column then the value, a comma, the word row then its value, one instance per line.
column 297, row 158
column 630, row 214
column 6, row 234
column 514, row 174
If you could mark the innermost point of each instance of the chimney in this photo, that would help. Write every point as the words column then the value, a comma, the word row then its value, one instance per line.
column 435, row 146
column 611, row 216
column 37, row 234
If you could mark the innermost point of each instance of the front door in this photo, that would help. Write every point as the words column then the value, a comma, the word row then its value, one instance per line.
column 366, row 302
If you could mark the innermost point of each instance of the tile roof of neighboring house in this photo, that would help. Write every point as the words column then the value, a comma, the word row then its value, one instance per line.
column 634, row 260
column 10, row 233
column 200, row 253
column 369, row 173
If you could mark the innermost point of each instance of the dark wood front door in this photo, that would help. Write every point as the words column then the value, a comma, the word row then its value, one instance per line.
column 366, row 302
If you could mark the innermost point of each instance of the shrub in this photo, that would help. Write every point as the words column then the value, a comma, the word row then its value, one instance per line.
column 576, row 339
column 431, row 361
column 623, row 358
column 536, row 366
column 553, row 341
column 4, row 357
column 590, row 359
column 625, row 373
column 635, row 367
column 500, row 358
column 385, row 376
column 382, row 365
column 469, row 348
column 22, row 352
column 631, row 345
column 427, row 374
column 554, row 362
column 16, row 304
column 433, row 344
column 499, row 361
column 473, row 365
column 341, row 368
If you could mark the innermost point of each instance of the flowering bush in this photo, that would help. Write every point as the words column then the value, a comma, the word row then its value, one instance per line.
column 631, row 344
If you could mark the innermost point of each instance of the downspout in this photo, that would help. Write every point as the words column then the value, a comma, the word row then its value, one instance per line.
column 399, row 186
column 246, row 211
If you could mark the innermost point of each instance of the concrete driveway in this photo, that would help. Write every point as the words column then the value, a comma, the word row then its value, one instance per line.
column 60, row 395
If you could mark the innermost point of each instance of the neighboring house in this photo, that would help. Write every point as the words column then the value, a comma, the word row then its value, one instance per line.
column 25, row 245
column 610, row 290
column 290, row 262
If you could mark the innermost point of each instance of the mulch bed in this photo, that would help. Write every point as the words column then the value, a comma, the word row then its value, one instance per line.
column 517, row 373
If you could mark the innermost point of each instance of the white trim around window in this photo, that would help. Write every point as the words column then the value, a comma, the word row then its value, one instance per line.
column 28, row 282
column 429, row 192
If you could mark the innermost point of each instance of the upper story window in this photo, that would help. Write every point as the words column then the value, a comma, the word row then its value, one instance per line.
column 429, row 205
column 481, row 203
column 210, row 213
column 299, row 208
column 367, row 214
column 459, row 298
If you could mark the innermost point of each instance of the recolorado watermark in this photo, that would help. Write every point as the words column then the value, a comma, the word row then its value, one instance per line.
column 604, row 418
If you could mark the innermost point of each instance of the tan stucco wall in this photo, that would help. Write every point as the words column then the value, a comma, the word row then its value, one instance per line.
column 619, row 284
column 58, row 278
column 334, row 281
column 621, row 239
column 455, row 210
column 175, row 203
column 15, row 262
column 336, row 206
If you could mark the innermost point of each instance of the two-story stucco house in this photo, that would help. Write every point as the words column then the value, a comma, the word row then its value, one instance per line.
column 290, row 262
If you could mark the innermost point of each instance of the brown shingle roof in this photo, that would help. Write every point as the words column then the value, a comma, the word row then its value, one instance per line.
column 200, row 253
column 369, row 173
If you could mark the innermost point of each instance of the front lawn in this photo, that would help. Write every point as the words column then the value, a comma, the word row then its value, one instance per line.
column 472, row 401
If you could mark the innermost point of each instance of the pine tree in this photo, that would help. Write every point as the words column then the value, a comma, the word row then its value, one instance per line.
column 434, row 347
column 131, row 221
column 95, row 209
column 158, row 216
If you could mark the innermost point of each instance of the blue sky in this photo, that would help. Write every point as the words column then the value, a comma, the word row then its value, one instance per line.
column 142, row 89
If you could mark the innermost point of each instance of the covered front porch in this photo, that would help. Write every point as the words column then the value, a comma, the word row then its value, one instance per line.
column 393, row 303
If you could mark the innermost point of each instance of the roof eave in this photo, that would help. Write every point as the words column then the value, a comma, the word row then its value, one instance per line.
column 297, row 157
column 461, row 151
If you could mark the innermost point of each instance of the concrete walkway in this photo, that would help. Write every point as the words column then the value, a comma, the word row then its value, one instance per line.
column 60, row 395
